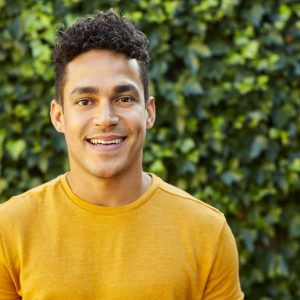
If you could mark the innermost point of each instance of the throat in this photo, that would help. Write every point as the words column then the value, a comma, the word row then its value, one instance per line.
column 109, row 192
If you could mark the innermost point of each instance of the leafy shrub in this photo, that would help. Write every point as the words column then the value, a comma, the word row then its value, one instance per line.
column 226, row 78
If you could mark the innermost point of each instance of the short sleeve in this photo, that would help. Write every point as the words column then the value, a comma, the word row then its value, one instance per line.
column 223, row 282
column 7, row 287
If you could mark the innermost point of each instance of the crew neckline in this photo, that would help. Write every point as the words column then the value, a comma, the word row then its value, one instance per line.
column 110, row 210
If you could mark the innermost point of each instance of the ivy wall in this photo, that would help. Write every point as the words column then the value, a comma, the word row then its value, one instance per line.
column 226, row 78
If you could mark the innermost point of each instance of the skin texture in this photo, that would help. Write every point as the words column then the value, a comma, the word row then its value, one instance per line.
column 104, row 101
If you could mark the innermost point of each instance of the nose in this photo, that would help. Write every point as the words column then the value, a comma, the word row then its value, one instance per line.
column 105, row 117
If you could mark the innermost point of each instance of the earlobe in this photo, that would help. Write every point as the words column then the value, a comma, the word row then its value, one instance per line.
column 149, row 124
column 56, row 116
column 151, row 111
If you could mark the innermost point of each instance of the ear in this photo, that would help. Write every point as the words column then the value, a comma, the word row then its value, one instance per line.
column 151, row 112
column 56, row 114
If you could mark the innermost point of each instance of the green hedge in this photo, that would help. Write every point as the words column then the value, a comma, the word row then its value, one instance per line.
column 226, row 77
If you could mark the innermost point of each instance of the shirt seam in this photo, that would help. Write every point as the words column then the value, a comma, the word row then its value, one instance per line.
column 217, row 247
column 105, row 214
column 5, row 260
column 190, row 197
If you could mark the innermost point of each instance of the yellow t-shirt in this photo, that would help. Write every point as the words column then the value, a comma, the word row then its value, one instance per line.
column 164, row 245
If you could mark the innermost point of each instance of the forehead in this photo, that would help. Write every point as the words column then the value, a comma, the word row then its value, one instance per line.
column 102, row 68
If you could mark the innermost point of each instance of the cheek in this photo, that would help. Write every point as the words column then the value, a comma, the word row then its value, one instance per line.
column 138, row 124
column 136, row 118
column 75, row 122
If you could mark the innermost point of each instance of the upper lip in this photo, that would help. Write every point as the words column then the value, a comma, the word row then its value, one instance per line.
column 106, row 137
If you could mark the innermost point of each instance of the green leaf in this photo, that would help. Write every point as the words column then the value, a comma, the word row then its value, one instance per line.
column 157, row 167
column 251, row 50
column 294, row 225
column 256, row 13
column 3, row 185
column 230, row 177
column 199, row 48
column 192, row 87
column 170, row 7
column 295, row 165
column 187, row 145
column 15, row 148
column 259, row 144
column 43, row 164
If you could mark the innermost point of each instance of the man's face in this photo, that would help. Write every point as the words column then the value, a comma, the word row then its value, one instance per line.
column 104, row 116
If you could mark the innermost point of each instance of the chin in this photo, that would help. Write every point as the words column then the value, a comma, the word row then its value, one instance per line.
column 111, row 167
column 105, row 171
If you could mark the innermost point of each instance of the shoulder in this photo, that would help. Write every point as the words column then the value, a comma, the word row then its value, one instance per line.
column 30, row 199
column 181, row 202
column 180, row 196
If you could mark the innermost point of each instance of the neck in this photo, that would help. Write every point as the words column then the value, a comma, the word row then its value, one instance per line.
column 116, row 191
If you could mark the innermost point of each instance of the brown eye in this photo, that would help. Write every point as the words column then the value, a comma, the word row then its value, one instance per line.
column 84, row 102
column 125, row 99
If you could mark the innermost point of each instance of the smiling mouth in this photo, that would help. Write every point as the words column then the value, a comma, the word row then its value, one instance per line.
column 106, row 142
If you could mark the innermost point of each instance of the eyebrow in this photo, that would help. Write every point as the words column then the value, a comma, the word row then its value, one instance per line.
column 119, row 89
column 85, row 90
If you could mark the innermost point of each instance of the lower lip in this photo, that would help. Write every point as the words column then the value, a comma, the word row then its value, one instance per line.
column 106, row 148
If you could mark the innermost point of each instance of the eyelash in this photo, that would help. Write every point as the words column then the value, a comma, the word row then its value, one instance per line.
column 85, row 100
column 127, row 98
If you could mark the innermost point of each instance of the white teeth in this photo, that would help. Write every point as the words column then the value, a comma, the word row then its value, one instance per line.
column 101, row 142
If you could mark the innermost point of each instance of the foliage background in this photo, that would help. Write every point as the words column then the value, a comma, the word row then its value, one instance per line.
column 226, row 78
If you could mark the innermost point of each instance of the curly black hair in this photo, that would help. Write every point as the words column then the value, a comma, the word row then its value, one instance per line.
column 105, row 30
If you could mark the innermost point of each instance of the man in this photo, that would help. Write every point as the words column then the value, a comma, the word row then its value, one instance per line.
column 106, row 229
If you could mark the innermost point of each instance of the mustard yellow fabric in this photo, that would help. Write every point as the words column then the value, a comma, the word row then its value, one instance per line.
column 164, row 245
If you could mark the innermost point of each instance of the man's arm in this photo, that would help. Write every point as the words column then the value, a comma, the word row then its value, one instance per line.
column 223, row 282
column 7, row 286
